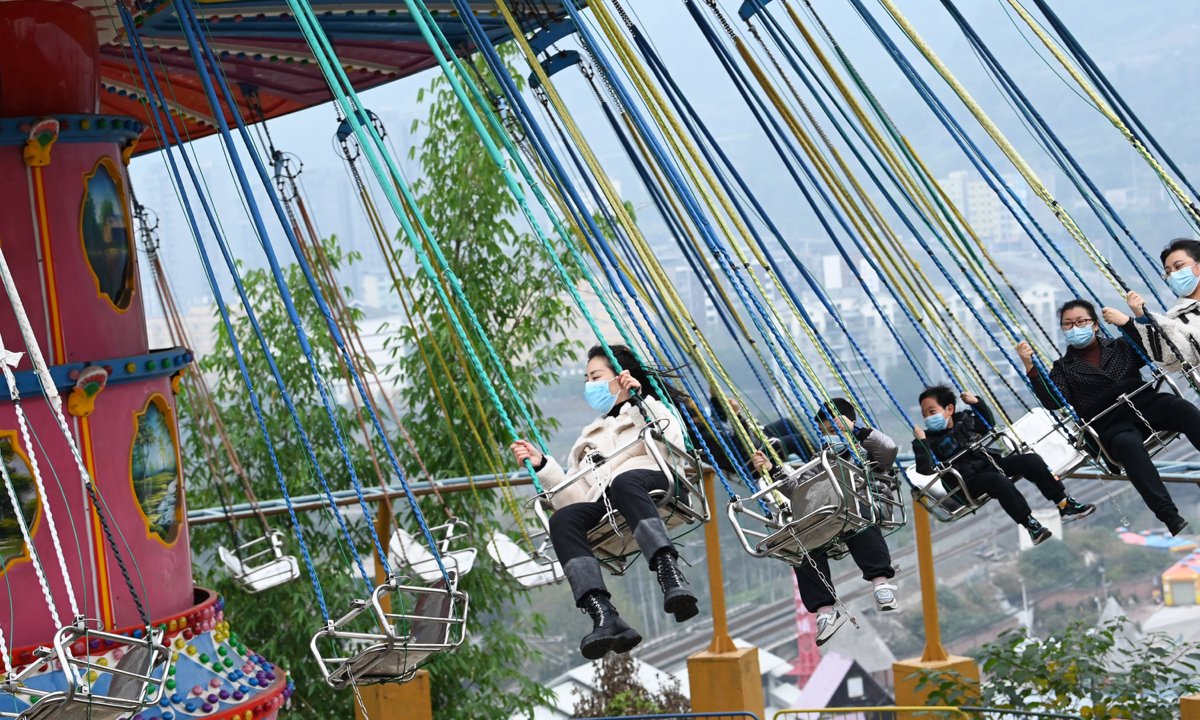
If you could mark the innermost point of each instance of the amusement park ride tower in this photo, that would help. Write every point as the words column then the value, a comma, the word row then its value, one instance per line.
column 65, row 235
column 97, row 482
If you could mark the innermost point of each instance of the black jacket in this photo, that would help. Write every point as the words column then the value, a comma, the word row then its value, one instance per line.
column 1091, row 390
column 941, row 446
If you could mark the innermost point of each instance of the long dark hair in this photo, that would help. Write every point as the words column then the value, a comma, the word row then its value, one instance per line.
column 628, row 361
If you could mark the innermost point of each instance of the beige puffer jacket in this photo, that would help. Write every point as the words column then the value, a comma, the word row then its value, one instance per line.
column 606, row 434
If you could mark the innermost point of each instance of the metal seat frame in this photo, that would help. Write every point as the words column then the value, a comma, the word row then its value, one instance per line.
column 277, row 570
column 536, row 569
column 942, row 507
column 1088, row 440
column 393, row 655
column 684, row 502
column 78, row 697
column 459, row 562
column 847, row 508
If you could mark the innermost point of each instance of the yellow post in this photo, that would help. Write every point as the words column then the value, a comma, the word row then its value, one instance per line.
column 723, row 678
column 412, row 700
column 935, row 655
column 1189, row 707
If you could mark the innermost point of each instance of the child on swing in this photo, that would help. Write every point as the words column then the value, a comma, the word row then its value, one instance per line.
column 868, row 548
column 947, row 437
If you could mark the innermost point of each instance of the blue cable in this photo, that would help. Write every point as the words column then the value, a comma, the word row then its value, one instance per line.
column 685, row 109
column 142, row 61
column 1048, row 136
column 766, row 122
column 1110, row 93
column 314, row 287
column 917, row 82
column 617, row 281
column 697, row 215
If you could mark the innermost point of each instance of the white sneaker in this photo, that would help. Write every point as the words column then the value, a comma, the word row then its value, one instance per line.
column 885, row 597
column 828, row 624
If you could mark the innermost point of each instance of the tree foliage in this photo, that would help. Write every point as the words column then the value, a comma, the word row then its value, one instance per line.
column 619, row 692
column 1094, row 672
column 278, row 623
column 518, row 302
column 521, row 307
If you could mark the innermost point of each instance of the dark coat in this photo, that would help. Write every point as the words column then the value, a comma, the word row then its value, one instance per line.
column 942, row 446
column 1091, row 390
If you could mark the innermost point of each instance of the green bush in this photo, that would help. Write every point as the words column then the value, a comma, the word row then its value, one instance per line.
column 1083, row 669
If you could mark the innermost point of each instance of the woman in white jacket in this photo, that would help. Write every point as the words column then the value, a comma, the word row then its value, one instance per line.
column 1181, row 324
column 633, row 474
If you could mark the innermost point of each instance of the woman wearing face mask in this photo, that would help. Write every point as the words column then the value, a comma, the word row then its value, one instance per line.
column 1181, row 324
column 1091, row 375
column 634, row 473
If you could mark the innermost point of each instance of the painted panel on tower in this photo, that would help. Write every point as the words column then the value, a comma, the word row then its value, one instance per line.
column 104, row 227
column 12, row 543
column 154, row 469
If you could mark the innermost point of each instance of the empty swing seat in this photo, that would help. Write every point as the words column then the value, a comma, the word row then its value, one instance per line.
column 815, row 506
column 529, row 570
column 682, row 503
column 436, row 623
column 144, row 663
column 264, row 567
column 1039, row 431
column 412, row 552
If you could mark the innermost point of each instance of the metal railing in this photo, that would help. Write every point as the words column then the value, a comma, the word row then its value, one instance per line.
column 921, row 712
column 687, row 716
column 881, row 712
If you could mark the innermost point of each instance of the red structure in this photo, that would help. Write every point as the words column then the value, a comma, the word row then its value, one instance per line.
column 809, row 657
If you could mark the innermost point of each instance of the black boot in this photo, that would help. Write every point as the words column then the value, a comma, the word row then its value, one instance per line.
column 677, row 597
column 609, row 631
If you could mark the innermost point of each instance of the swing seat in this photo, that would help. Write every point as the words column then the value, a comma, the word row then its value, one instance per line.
column 682, row 503
column 529, row 570
column 391, row 646
column 1039, row 431
column 818, row 505
column 958, row 502
column 890, row 513
column 265, row 567
column 129, row 679
column 412, row 553
column 1088, row 440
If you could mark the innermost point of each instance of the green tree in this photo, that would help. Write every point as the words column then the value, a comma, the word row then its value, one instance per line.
column 525, row 314
column 1086, row 670
column 278, row 623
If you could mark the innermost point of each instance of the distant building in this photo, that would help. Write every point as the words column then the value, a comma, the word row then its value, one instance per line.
column 992, row 222
column 840, row 682
column 1181, row 582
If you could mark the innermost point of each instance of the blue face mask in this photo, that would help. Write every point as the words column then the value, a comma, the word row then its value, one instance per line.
column 1080, row 337
column 935, row 422
column 599, row 396
column 835, row 443
column 1183, row 282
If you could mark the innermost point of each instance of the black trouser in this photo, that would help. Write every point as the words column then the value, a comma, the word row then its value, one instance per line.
column 1126, row 445
column 870, row 553
column 999, row 484
column 629, row 494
